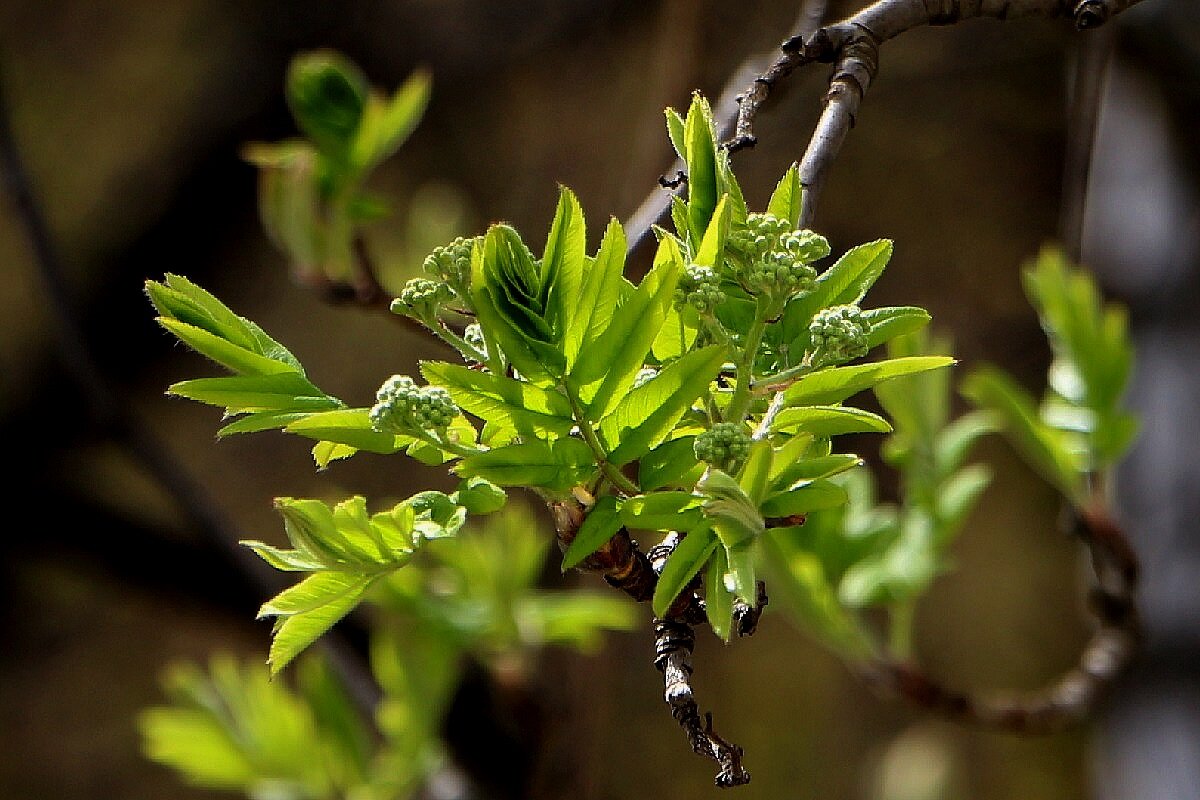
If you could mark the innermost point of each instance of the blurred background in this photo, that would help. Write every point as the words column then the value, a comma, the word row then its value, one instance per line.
column 130, row 117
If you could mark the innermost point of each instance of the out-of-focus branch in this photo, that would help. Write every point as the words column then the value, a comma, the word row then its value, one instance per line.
column 852, row 46
column 1071, row 697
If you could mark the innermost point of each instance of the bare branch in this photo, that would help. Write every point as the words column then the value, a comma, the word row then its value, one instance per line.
column 1071, row 697
column 852, row 46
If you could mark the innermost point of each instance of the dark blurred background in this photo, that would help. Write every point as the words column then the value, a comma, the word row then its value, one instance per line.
column 130, row 116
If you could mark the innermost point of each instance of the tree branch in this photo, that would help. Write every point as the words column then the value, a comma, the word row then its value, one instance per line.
column 725, row 114
column 1071, row 697
column 852, row 46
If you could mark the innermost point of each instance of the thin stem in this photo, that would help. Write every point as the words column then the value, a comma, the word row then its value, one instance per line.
column 739, row 405
column 610, row 471
column 900, row 629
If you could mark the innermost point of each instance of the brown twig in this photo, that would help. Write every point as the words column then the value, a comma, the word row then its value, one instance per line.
column 852, row 46
column 1070, row 697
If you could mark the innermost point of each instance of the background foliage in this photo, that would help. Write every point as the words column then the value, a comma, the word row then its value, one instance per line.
column 84, row 612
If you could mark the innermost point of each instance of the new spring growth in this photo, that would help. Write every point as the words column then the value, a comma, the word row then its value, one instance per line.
column 451, row 264
column 837, row 335
column 773, row 259
column 724, row 446
column 403, row 407
column 420, row 299
column 700, row 288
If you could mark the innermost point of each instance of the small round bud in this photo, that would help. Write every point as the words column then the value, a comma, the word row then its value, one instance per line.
column 724, row 446
column 837, row 335
column 420, row 298
column 700, row 288
column 773, row 259
column 402, row 406
column 451, row 263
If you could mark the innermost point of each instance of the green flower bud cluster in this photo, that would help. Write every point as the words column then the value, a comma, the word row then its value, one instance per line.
column 700, row 288
column 725, row 445
column 837, row 335
column 451, row 263
column 420, row 298
column 644, row 376
column 402, row 406
column 774, row 258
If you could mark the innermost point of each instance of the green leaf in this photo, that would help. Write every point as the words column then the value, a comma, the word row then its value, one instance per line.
column 644, row 416
column 672, row 463
column 892, row 321
column 520, row 405
column 718, row 600
column 955, row 440
column 844, row 283
column 562, row 263
column 712, row 247
column 329, row 597
column 662, row 511
column 811, row 469
column 600, row 292
column 560, row 466
column 576, row 620
column 327, row 95
column 231, row 356
column 835, row 384
column 1043, row 447
column 386, row 124
column 786, row 200
column 674, row 339
column 606, row 369
column 903, row 571
column 675, row 130
column 829, row 421
column 956, row 498
column 755, row 474
column 734, row 515
column 256, row 423
column 687, row 559
column 282, row 392
column 324, row 453
column 814, row 496
column 348, row 426
column 742, row 576
column 700, row 141
column 480, row 496
column 601, row 524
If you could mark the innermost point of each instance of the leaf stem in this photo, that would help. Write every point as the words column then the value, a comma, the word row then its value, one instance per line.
column 614, row 475
column 739, row 405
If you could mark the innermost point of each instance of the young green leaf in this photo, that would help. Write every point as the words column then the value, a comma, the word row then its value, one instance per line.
column 814, row 496
column 718, row 600
column 662, row 511
column 520, row 405
column 601, row 524
column 348, row 426
column 672, row 463
column 844, row 283
column 646, row 415
column 606, row 369
column 700, row 142
column 560, row 466
column 687, row 559
column 386, row 124
column 1045, row 449
column 892, row 321
column 600, row 292
column 829, row 421
column 835, row 384
column 281, row 392
column 786, row 200
column 330, row 596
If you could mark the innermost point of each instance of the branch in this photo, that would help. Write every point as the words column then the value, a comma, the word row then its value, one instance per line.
column 725, row 114
column 852, row 46
column 1070, row 698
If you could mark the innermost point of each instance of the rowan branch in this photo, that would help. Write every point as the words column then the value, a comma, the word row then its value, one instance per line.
column 1071, row 697
column 852, row 46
